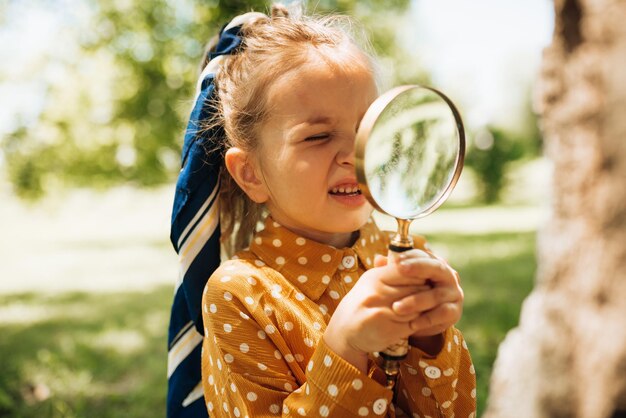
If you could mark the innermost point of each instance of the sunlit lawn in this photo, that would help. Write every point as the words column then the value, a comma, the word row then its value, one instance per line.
column 103, row 354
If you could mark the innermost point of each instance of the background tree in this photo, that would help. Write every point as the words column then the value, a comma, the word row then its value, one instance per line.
column 116, row 99
column 567, row 358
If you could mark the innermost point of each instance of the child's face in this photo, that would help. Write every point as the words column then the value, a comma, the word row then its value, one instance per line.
column 306, row 153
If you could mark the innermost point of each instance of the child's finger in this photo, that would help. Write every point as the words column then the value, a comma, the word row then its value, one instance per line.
column 444, row 314
column 426, row 268
column 425, row 300
column 380, row 260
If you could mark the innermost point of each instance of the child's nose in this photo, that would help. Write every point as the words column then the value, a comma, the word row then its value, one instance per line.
column 345, row 155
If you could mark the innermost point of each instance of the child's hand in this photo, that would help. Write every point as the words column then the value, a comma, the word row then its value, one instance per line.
column 419, row 296
column 435, row 309
column 365, row 320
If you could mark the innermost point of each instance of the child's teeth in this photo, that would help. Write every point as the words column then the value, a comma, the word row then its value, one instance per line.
column 341, row 190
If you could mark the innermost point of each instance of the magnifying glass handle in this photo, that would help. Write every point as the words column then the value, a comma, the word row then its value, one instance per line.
column 395, row 353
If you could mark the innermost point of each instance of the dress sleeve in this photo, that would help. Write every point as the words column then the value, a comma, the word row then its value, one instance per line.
column 442, row 385
column 248, row 369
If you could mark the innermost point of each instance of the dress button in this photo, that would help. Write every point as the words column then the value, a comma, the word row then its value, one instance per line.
column 348, row 261
column 432, row 372
column 380, row 406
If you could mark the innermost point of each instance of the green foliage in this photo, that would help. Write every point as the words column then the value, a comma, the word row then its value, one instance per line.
column 115, row 108
column 489, row 156
column 103, row 355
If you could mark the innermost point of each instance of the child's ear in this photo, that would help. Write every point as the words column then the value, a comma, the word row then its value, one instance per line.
column 244, row 171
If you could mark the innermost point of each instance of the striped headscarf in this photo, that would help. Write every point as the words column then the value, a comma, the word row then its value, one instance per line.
column 195, row 234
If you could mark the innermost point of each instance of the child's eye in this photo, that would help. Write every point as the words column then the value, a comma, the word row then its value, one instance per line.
column 318, row 137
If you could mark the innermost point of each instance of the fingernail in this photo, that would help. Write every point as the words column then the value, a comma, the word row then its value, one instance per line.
column 396, row 307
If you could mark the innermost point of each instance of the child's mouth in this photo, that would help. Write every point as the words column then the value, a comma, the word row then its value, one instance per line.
column 346, row 191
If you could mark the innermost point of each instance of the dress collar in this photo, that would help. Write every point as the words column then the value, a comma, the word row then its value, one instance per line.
column 310, row 265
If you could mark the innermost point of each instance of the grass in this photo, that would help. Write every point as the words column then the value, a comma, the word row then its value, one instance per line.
column 497, row 273
column 104, row 354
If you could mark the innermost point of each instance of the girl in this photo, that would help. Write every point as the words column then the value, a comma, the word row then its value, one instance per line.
column 290, row 321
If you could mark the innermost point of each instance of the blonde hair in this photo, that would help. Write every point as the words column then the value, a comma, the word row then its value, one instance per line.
column 271, row 47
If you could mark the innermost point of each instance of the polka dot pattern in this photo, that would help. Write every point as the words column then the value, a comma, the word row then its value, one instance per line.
column 289, row 296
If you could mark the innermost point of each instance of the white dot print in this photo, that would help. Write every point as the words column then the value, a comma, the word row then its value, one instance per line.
column 244, row 348
column 280, row 260
column 347, row 279
column 288, row 326
column 288, row 387
column 334, row 294
column 363, row 411
column 270, row 329
column 326, row 258
column 426, row 391
column 243, row 315
column 225, row 279
column 357, row 384
column 251, row 280
column 300, row 296
column 299, row 358
column 317, row 326
column 323, row 309
column 261, row 334
column 302, row 260
column 301, row 412
column 302, row 278
column 233, row 387
column 262, row 366
column 308, row 342
column 213, row 308
column 277, row 243
column 277, row 355
column 258, row 241
column 328, row 361
column 236, row 412
column 228, row 296
column 228, row 328
column 309, row 366
column 300, row 241
column 259, row 263
column 326, row 279
column 289, row 358
column 249, row 300
column 333, row 390
column 324, row 411
column 251, row 396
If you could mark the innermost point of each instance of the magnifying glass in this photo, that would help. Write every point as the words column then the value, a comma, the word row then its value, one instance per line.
column 409, row 155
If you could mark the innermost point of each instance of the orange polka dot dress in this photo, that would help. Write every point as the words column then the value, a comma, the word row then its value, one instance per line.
column 265, row 312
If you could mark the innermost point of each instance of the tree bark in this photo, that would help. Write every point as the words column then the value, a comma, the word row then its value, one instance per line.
column 567, row 357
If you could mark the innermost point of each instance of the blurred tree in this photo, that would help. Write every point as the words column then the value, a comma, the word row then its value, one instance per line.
column 567, row 358
column 489, row 155
column 117, row 98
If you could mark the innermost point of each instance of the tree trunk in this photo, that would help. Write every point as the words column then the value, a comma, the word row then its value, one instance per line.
column 567, row 358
